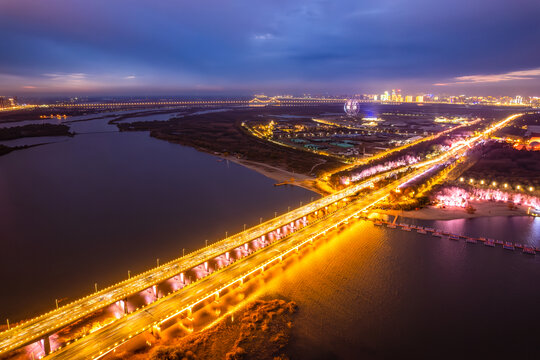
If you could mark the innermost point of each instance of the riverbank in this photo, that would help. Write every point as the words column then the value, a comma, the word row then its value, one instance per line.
column 483, row 209
column 281, row 176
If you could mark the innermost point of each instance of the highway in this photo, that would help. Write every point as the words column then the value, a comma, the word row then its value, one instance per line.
column 36, row 328
column 130, row 325
column 138, row 321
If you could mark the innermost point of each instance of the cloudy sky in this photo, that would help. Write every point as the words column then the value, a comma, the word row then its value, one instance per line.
column 246, row 46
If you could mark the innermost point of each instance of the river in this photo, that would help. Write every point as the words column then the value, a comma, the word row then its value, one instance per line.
column 86, row 209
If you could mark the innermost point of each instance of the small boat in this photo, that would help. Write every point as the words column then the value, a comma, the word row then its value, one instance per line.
column 489, row 243
column 421, row 231
column 519, row 246
column 529, row 250
column 391, row 226
column 405, row 228
column 498, row 242
column 429, row 229
column 453, row 238
column 470, row 240
column 508, row 246
column 438, row 234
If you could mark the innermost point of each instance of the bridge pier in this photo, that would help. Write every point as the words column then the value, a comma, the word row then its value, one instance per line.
column 46, row 343
column 156, row 331
column 126, row 311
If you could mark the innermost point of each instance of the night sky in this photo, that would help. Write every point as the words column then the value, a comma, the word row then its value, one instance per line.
column 242, row 47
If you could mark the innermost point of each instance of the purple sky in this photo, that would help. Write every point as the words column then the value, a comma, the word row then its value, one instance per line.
column 283, row 46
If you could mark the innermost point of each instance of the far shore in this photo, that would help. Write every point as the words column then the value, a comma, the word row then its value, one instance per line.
column 483, row 209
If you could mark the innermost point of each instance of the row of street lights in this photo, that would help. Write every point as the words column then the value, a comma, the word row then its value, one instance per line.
column 494, row 183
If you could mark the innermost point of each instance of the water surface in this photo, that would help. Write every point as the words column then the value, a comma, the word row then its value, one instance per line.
column 89, row 208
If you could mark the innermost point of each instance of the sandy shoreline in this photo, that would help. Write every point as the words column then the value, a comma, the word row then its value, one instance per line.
column 483, row 209
column 279, row 175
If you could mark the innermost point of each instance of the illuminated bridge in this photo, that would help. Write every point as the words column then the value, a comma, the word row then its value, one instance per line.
column 258, row 100
column 176, row 287
column 176, row 274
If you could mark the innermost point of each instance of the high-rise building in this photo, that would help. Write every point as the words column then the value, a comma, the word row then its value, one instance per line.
column 408, row 98
column 419, row 99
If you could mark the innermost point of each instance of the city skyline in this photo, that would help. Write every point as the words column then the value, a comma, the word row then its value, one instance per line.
column 73, row 48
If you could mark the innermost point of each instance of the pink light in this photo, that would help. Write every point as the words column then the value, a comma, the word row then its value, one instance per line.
column 406, row 160
column 459, row 197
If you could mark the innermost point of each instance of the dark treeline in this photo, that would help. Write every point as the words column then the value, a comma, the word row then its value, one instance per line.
column 17, row 132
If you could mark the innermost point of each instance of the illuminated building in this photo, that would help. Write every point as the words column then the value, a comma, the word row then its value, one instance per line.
column 408, row 98
column 419, row 98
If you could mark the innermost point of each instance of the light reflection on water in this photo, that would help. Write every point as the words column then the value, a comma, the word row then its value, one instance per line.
column 374, row 292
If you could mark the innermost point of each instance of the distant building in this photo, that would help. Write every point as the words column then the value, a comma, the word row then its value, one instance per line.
column 4, row 102
column 419, row 99
column 408, row 98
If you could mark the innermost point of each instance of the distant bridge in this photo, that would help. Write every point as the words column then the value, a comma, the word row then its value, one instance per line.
column 258, row 100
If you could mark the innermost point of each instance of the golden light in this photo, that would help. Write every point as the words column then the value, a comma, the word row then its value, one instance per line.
column 461, row 179
column 531, row 188
column 471, row 180
column 519, row 187
column 505, row 186
column 494, row 183
column 482, row 182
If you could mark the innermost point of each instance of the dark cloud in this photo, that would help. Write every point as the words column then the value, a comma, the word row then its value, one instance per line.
column 243, row 45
